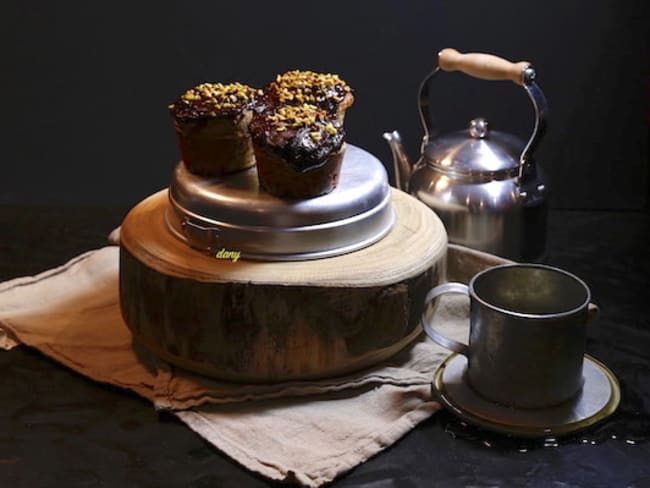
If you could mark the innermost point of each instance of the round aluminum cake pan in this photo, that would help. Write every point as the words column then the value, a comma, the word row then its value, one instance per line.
column 232, row 213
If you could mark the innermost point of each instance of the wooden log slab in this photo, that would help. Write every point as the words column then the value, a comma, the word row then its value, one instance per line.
column 256, row 321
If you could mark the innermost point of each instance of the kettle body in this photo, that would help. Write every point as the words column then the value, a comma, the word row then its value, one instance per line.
column 484, row 185
column 497, row 216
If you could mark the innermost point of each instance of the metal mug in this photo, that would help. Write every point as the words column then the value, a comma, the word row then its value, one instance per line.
column 527, row 333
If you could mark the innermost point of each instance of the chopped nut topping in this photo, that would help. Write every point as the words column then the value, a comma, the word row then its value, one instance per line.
column 295, row 116
column 316, row 121
column 302, row 116
column 209, row 99
column 309, row 87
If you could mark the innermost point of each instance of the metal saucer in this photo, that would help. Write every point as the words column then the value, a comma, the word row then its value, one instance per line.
column 598, row 399
column 233, row 213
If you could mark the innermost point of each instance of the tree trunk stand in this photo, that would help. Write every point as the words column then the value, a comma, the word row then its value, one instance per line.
column 257, row 321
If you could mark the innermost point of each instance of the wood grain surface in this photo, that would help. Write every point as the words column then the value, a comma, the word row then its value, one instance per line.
column 417, row 239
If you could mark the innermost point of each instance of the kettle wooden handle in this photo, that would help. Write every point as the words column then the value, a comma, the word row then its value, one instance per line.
column 483, row 66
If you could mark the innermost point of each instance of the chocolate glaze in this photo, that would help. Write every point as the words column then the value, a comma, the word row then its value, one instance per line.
column 295, row 145
column 328, row 100
column 324, row 95
column 209, row 108
column 201, row 114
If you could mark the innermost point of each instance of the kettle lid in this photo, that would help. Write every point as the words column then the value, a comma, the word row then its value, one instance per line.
column 475, row 151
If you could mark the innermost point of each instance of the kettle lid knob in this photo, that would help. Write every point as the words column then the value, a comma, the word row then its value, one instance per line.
column 478, row 128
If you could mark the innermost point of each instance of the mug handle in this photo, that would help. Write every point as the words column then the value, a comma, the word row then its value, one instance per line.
column 436, row 336
column 593, row 313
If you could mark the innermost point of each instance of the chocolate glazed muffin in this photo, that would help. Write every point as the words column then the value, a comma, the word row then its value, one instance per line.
column 326, row 91
column 211, row 122
column 299, row 149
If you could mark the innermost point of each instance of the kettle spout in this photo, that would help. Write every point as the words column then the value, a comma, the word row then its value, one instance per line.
column 401, row 165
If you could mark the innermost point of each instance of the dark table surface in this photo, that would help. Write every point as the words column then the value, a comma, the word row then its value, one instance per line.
column 58, row 428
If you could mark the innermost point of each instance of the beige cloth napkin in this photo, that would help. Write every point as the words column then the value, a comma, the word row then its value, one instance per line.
column 308, row 432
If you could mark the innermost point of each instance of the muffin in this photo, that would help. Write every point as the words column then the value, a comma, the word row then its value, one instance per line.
column 326, row 91
column 211, row 122
column 298, row 148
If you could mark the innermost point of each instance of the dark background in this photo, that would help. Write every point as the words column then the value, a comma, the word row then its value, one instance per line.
column 84, row 122
column 85, row 85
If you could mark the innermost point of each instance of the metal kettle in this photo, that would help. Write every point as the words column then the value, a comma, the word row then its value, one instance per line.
column 483, row 184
